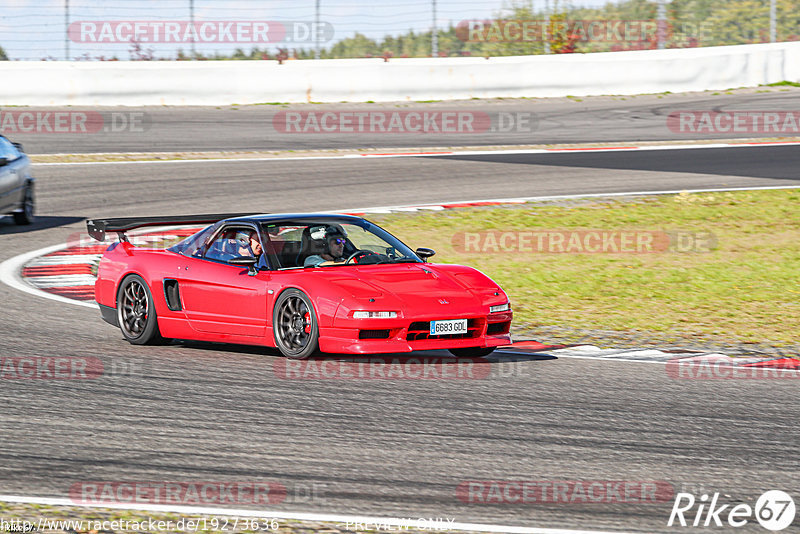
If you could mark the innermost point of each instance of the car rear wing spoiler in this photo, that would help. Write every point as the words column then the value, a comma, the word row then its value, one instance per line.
column 98, row 228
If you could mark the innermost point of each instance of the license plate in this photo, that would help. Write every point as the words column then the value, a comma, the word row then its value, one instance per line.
column 451, row 326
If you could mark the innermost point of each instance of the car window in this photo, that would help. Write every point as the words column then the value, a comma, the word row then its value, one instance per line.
column 289, row 244
column 8, row 150
column 283, row 243
column 232, row 242
column 193, row 245
column 363, row 239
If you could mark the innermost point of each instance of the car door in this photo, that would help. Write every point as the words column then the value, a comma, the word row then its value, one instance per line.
column 11, row 176
column 221, row 298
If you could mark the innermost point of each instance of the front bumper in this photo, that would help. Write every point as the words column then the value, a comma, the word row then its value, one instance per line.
column 381, row 336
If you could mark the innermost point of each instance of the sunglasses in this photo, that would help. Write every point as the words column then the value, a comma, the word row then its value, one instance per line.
column 339, row 241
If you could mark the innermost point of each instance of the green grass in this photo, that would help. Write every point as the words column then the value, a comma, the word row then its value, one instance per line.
column 745, row 289
column 784, row 83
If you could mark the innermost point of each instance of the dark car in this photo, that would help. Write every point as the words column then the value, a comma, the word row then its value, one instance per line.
column 16, row 182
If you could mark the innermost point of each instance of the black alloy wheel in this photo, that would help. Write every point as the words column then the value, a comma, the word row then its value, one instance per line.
column 295, row 325
column 136, row 314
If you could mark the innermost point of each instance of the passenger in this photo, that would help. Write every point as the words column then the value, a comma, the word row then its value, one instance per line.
column 335, row 240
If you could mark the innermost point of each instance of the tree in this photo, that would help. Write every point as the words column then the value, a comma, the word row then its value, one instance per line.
column 629, row 25
column 747, row 21
column 3, row 56
column 357, row 46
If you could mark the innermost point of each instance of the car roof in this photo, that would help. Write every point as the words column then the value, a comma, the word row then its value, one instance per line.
column 296, row 217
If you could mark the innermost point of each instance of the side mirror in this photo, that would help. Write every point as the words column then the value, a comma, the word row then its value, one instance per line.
column 245, row 261
column 425, row 253
column 3, row 162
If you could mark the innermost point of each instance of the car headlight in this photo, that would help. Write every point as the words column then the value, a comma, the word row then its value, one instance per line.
column 374, row 314
column 500, row 308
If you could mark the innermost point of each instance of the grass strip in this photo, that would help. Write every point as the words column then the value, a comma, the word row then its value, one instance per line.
column 739, row 281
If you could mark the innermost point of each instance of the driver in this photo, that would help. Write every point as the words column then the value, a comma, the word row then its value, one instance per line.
column 335, row 240
column 248, row 243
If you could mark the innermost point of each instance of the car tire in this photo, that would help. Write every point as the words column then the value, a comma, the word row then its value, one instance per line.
column 294, row 325
column 472, row 352
column 26, row 216
column 136, row 314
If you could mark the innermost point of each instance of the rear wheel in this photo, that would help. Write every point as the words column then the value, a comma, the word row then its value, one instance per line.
column 295, row 325
column 26, row 216
column 472, row 352
column 136, row 314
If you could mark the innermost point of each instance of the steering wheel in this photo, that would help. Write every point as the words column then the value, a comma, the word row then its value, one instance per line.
column 358, row 254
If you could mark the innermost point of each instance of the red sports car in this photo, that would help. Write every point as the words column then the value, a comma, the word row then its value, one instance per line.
column 301, row 283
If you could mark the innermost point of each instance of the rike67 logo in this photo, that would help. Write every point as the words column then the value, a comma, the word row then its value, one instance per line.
column 774, row 510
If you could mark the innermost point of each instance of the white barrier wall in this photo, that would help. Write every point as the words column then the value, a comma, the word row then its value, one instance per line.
column 144, row 83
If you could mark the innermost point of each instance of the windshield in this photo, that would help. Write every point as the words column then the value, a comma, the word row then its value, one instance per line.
column 331, row 243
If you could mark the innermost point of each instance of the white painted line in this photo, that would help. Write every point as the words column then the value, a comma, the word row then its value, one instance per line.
column 590, row 352
column 10, row 275
column 621, row 148
column 61, row 280
column 209, row 160
column 434, row 154
column 627, row 354
column 301, row 516
column 600, row 358
column 71, row 259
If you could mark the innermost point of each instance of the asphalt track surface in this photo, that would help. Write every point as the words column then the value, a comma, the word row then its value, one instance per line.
column 560, row 120
column 380, row 447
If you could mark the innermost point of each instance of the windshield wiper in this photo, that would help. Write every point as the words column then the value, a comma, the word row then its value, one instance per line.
column 405, row 260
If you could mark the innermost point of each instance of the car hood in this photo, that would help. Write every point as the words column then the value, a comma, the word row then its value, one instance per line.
column 421, row 286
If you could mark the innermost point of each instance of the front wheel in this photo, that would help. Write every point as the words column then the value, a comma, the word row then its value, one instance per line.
column 28, row 207
column 472, row 352
column 136, row 313
column 295, row 325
